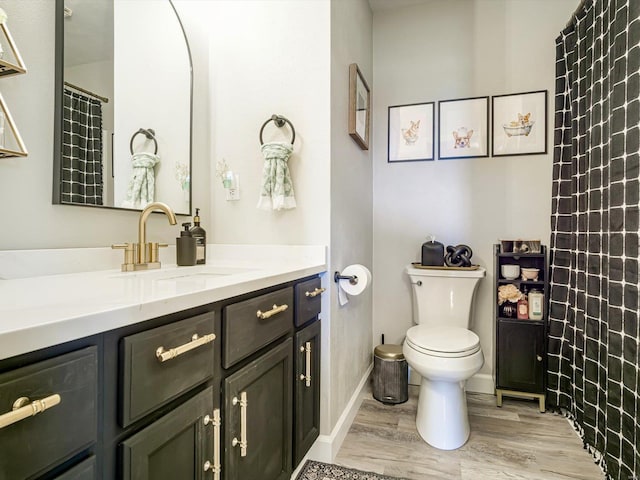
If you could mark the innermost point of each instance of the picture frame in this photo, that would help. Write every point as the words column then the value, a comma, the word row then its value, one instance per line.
column 519, row 124
column 359, row 107
column 463, row 128
column 410, row 132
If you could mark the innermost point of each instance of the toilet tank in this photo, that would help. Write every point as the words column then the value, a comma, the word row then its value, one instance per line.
column 444, row 297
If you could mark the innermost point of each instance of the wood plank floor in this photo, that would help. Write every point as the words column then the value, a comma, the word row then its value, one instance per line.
column 513, row 442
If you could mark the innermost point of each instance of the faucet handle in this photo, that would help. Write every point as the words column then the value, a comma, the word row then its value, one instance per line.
column 129, row 255
column 153, row 256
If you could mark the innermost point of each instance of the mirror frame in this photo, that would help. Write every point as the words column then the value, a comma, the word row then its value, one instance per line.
column 58, row 120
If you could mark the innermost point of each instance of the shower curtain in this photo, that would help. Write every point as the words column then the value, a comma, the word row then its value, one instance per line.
column 593, row 319
column 81, row 149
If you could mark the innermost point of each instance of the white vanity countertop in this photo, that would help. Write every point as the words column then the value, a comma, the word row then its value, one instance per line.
column 45, row 310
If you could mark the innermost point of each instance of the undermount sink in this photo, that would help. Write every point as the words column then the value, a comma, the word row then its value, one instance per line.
column 178, row 273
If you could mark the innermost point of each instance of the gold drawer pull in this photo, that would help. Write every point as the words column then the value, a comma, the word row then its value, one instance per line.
column 306, row 348
column 164, row 355
column 315, row 293
column 215, row 466
column 272, row 312
column 243, row 424
column 23, row 409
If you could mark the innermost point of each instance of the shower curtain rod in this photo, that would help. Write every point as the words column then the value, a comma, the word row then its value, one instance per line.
column 94, row 95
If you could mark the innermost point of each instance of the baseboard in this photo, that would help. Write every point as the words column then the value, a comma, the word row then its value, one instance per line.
column 481, row 383
column 326, row 447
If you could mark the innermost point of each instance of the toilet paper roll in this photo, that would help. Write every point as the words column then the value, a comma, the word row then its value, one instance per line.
column 345, row 287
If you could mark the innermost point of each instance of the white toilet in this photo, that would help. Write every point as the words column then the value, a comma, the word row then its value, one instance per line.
column 443, row 351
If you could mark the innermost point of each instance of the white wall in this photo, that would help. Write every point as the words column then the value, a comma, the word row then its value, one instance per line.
column 270, row 57
column 445, row 50
column 152, row 78
column 31, row 221
column 351, row 204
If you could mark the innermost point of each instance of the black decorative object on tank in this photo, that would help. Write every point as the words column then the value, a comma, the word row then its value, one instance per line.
column 458, row 256
column 432, row 253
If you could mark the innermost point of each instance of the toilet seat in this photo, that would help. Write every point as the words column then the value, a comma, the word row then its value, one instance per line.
column 446, row 342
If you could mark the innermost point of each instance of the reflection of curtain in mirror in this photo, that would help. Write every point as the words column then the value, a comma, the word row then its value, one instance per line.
column 81, row 149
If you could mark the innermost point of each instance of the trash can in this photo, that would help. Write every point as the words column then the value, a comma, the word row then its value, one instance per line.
column 390, row 374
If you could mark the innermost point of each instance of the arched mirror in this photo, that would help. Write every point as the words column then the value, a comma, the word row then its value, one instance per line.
column 123, row 105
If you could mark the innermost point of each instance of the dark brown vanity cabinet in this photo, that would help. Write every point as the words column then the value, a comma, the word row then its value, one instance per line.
column 521, row 349
column 209, row 393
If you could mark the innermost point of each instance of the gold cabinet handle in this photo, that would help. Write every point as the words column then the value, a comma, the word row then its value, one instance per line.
column 272, row 312
column 315, row 293
column 215, row 467
column 539, row 358
column 243, row 424
column 307, row 375
column 23, row 409
column 163, row 355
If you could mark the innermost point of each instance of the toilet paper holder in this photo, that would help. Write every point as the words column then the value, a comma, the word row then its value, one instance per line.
column 353, row 280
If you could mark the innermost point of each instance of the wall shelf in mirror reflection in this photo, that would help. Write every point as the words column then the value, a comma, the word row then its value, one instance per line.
column 116, row 48
column 11, row 63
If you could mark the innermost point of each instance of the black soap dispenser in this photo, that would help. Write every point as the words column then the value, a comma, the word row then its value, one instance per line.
column 201, row 239
column 186, row 247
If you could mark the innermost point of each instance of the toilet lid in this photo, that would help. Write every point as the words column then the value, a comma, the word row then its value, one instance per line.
column 443, row 341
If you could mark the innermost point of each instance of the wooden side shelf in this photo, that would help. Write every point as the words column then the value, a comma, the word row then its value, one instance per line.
column 521, row 353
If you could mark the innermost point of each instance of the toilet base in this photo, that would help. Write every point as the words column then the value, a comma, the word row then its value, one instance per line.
column 442, row 418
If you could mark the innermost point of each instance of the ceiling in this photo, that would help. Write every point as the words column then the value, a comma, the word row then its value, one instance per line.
column 88, row 32
column 382, row 5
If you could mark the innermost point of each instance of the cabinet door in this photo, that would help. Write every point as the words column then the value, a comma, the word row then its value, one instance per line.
column 86, row 470
column 520, row 356
column 257, row 418
column 176, row 446
column 306, row 421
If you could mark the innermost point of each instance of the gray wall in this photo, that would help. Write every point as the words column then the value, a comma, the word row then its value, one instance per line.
column 446, row 50
column 30, row 220
column 351, row 202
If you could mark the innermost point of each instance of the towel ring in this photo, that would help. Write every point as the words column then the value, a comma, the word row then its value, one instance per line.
column 147, row 132
column 279, row 120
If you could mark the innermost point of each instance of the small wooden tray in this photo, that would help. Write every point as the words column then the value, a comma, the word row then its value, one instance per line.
column 434, row 267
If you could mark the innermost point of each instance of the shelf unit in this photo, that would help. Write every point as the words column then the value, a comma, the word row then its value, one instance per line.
column 521, row 350
column 8, row 69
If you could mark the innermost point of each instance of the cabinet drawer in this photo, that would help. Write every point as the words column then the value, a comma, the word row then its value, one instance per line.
column 83, row 471
column 147, row 381
column 245, row 332
column 308, row 301
column 37, row 443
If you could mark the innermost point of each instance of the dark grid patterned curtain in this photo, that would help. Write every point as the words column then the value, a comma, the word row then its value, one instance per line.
column 593, row 319
column 81, row 149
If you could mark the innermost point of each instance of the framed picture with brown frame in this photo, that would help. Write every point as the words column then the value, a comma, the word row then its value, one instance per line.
column 463, row 130
column 519, row 125
column 359, row 107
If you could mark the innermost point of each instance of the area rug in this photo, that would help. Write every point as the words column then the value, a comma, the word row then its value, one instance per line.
column 325, row 471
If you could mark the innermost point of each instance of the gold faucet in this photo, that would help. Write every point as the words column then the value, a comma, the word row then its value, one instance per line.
column 143, row 255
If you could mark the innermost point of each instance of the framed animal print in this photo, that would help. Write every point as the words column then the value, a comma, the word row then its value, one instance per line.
column 463, row 130
column 519, row 124
column 410, row 132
